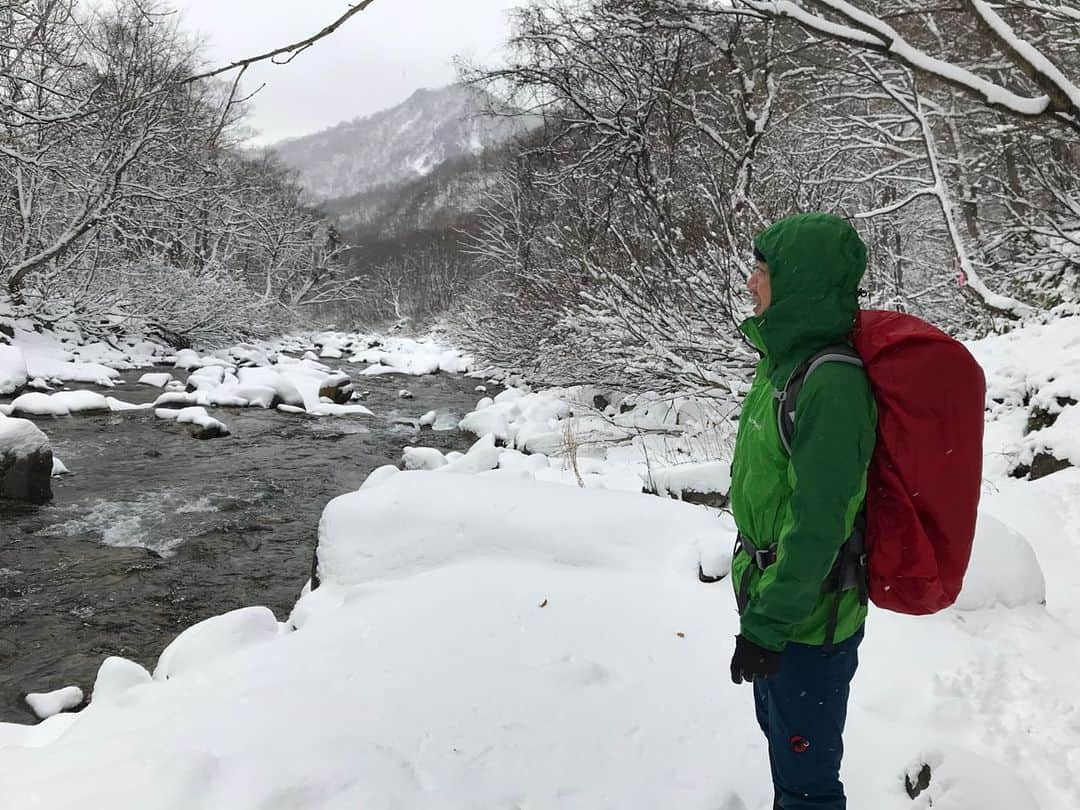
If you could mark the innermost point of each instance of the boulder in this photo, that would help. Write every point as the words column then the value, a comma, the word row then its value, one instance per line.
column 217, row 431
column 338, row 390
column 26, row 462
column 717, row 500
column 1045, row 464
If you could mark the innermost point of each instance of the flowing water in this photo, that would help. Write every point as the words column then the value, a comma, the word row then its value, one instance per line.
column 155, row 530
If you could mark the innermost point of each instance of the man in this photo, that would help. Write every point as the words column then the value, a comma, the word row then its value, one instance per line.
column 799, row 630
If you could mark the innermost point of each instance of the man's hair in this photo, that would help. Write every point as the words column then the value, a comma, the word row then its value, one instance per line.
column 758, row 255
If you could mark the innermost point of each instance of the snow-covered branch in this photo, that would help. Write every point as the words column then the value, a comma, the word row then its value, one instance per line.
column 1060, row 96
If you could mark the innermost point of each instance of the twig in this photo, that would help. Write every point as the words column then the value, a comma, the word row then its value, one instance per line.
column 291, row 51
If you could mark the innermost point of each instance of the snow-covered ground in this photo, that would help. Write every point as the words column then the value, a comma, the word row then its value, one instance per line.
column 531, row 633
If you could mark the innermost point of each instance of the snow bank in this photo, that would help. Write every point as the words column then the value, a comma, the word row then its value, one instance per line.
column 677, row 446
column 1003, row 569
column 383, row 531
column 698, row 478
column 447, row 598
column 1033, row 385
column 46, row 704
column 64, row 354
column 115, row 677
column 12, row 370
column 51, row 362
column 215, row 638
column 1061, row 439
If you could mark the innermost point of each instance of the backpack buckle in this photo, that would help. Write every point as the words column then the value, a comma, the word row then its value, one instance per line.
column 764, row 557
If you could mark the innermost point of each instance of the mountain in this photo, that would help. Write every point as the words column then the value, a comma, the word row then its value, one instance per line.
column 443, row 198
column 396, row 145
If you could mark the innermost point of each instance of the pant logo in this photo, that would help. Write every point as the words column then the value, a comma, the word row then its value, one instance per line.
column 800, row 745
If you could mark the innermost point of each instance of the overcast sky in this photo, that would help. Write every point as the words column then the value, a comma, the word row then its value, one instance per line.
column 375, row 61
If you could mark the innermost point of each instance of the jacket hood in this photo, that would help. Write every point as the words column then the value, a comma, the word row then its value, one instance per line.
column 816, row 262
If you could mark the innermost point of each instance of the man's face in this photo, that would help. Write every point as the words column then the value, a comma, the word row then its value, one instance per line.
column 759, row 287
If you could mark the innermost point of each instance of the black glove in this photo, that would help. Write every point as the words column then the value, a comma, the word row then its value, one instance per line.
column 752, row 661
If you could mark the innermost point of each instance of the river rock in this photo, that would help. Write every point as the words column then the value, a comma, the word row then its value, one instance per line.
column 26, row 462
column 214, row 430
column 337, row 389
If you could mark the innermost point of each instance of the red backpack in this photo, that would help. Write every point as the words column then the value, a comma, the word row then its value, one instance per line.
column 925, row 476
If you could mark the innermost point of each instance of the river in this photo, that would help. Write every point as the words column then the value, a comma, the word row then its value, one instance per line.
column 155, row 530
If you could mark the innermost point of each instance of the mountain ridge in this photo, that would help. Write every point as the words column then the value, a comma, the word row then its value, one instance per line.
column 398, row 144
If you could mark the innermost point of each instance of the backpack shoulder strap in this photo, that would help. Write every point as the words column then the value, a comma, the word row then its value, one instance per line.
column 787, row 398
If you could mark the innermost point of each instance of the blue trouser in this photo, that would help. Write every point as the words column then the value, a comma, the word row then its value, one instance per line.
column 802, row 710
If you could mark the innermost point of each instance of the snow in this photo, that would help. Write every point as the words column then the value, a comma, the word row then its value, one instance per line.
column 428, row 419
column 269, row 378
column 1038, row 365
column 413, row 358
column 445, row 599
column 1061, row 439
column 63, row 355
column 158, row 380
column 379, row 475
column 483, row 455
column 49, row 361
column 526, row 634
column 59, row 468
column 20, row 437
column 875, row 32
column 62, row 403
column 293, row 383
column 422, row 458
column 189, row 359
column 1032, row 55
column 46, row 704
column 119, row 406
column 12, row 370
column 215, row 638
column 14, row 735
column 380, row 532
column 999, row 549
column 115, row 677
column 705, row 477
column 193, row 415
column 666, row 444
column 331, row 409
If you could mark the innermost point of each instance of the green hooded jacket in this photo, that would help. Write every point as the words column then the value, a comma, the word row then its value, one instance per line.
column 806, row 502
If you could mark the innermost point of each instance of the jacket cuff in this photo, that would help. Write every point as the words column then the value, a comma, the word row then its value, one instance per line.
column 767, row 640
